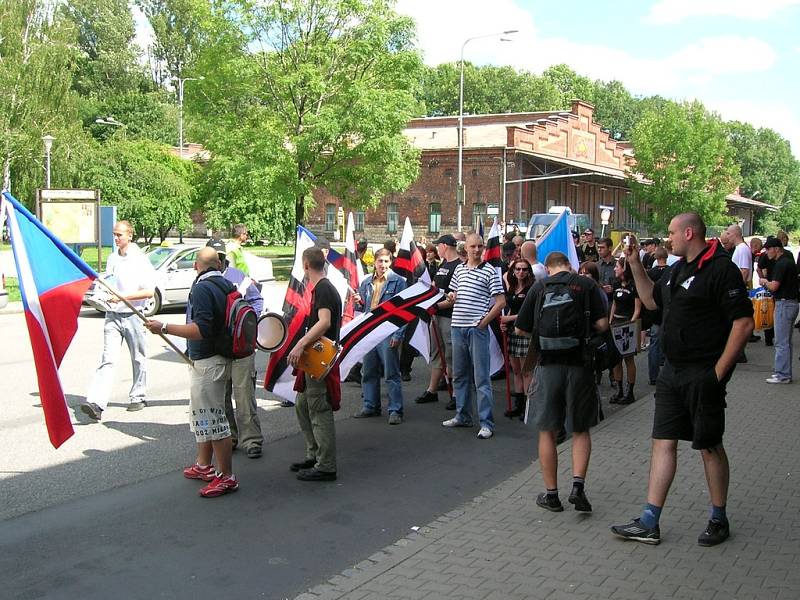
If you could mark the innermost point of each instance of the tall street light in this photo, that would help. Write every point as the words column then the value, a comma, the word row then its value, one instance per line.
column 460, row 193
column 48, row 145
column 111, row 121
column 181, row 82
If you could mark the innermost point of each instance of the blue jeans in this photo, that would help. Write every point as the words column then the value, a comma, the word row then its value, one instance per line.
column 785, row 314
column 382, row 354
column 655, row 355
column 471, row 365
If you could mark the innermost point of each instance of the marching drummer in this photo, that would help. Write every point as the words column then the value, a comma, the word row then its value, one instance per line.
column 317, row 399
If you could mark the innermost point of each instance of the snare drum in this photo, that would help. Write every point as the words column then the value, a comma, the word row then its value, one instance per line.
column 318, row 358
column 272, row 332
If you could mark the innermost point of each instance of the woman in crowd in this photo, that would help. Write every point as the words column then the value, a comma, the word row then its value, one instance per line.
column 520, row 280
column 431, row 260
column 625, row 306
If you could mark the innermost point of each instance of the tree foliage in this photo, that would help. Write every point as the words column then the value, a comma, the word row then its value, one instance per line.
column 331, row 83
column 687, row 163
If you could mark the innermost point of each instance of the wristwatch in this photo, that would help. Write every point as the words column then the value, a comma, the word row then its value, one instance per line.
column 164, row 328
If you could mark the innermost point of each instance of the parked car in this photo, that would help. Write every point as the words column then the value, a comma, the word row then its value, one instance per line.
column 175, row 274
column 3, row 292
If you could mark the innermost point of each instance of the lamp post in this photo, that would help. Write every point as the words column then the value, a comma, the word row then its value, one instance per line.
column 112, row 122
column 48, row 145
column 181, row 82
column 460, row 191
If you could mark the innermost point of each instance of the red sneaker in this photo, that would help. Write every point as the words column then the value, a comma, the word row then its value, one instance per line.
column 198, row 472
column 222, row 484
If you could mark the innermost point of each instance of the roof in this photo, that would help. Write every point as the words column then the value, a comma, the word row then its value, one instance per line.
column 578, row 164
column 739, row 199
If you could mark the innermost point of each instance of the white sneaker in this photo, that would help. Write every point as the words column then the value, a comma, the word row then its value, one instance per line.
column 485, row 433
column 455, row 422
column 776, row 379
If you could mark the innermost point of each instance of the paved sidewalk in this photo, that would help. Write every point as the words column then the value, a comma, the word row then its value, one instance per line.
column 502, row 546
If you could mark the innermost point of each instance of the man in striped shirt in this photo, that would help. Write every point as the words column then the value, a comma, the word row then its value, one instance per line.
column 477, row 293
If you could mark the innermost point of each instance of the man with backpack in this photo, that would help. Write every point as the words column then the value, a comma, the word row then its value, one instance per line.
column 207, row 340
column 560, row 314
column 244, row 422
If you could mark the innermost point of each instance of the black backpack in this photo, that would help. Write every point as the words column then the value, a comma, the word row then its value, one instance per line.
column 238, row 337
column 561, row 325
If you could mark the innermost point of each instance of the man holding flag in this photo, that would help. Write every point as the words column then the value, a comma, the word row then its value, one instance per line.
column 133, row 277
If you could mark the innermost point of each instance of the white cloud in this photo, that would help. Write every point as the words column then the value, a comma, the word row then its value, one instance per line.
column 779, row 117
column 674, row 11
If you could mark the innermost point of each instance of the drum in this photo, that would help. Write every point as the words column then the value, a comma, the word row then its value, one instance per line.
column 271, row 332
column 318, row 358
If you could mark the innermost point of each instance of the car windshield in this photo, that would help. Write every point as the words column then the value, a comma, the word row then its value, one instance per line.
column 159, row 256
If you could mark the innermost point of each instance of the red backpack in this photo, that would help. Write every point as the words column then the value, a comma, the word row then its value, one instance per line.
column 238, row 337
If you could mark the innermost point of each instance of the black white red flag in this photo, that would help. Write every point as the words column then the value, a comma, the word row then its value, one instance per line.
column 409, row 260
column 296, row 307
column 368, row 330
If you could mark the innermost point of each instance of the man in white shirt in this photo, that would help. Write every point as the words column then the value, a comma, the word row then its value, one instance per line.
column 133, row 277
column 742, row 257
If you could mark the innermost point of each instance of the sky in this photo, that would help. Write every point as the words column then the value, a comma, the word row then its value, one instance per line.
column 740, row 58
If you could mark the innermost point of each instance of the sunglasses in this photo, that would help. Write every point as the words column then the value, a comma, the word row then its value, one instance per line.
column 520, row 268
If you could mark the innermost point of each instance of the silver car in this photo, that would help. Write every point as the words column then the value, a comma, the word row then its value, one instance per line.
column 175, row 274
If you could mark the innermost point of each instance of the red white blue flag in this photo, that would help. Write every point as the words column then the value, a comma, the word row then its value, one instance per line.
column 52, row 282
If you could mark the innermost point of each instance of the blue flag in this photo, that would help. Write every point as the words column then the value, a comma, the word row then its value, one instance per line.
column 558, row 238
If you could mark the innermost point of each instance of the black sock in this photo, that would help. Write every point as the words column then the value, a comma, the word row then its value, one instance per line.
column 552, row 493
column 578, row 483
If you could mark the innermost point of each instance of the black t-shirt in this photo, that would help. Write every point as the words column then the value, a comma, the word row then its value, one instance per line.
column 766, row 264
column 785, row 271
column 206, row 308
column 701, row 300
column 624, row 297
column 514, row 301
column 442, row 280
column 526, row 317
column 326, row 296
column 648, row 260
column 590, row 252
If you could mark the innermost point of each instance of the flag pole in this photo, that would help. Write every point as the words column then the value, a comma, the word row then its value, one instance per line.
column 145, row 319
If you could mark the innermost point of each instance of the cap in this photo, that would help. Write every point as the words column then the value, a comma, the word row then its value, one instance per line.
column 589, row 230
column 322, row 243
column 773, row 242
column 217, row 245
column 446, row 239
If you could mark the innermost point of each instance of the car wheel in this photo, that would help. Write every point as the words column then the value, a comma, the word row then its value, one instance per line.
column 153, row 305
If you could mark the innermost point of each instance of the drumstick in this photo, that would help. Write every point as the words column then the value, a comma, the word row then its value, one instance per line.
column 144, row 319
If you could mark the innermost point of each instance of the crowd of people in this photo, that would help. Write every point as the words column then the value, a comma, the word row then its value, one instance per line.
column 688, row 295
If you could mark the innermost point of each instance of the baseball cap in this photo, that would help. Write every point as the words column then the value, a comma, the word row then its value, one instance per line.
column 217, row 245
column 446, row 239
column 588, row 230
column 772, row 242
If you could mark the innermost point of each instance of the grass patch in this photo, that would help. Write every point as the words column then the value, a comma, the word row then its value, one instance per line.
column 12, row 287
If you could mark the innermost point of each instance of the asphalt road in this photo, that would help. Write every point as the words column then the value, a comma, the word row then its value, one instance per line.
column 109, row 513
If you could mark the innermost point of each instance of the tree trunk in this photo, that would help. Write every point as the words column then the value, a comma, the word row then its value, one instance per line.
column 299, row 210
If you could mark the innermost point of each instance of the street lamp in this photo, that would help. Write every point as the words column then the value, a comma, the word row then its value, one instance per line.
column 48, row 145
column 460, row 191
column 112, row 122
column 181, row 82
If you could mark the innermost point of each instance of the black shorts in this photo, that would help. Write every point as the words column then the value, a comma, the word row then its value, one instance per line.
column 690, row 405
column 563, row 395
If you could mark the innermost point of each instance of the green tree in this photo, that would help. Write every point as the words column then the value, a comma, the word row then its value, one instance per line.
column 36, row 64
column 770, row 172
column 569, row 86
column 151, row 188
column 330, row 84
column 152, row 116
column 615, row 108
column 107, row 61
column 687, row 163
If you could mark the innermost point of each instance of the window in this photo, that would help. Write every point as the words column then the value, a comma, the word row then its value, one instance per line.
column 434, row 217
column 358, row 220
column 478, row 215
column 330, row 217
column 391, row 217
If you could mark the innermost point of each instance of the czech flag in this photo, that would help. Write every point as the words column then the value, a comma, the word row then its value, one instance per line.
column 558, row 238
column 52, row 281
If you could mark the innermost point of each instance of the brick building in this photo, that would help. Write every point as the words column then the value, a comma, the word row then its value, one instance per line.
column 542, row 159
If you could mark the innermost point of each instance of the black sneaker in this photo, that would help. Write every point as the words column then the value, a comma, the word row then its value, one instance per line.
column 427, row 397
column 91, row 409
column 579, row 500
column 136, row 406
column 548, row 502
column 313, row 474
column 637, row 532
column 715, row 533
column 451, row 405
column 302, row 465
